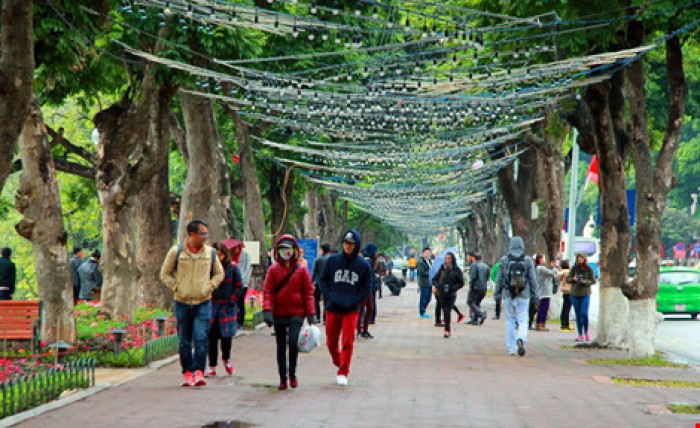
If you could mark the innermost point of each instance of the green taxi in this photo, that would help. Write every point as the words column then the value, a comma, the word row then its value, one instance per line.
column 679, row 291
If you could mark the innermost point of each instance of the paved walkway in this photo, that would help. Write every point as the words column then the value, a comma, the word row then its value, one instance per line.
column 409, row 375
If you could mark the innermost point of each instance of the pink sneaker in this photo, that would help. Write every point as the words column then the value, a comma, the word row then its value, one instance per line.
column 187, row 379
column 211, row 372
column 199, row 378
column 229, row 367
column 588, row 337
column 579, row 339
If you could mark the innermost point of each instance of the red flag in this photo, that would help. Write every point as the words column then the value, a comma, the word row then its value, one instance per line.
column 593, row 170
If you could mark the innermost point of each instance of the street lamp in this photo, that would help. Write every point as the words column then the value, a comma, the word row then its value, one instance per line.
column 118, row 336
column 160, row 319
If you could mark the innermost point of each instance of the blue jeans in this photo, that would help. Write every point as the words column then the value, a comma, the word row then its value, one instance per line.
column 193, row 327
column 580, row 305
column 425, row 293
column 516, row 311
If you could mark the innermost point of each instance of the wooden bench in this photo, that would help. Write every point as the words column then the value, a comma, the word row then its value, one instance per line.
column 20, row 320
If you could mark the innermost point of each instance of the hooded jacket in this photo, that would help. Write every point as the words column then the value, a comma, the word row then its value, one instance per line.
column 346, row 279
column 516, row 249
column 296, row 297
column 479, row 276
column 585, row 272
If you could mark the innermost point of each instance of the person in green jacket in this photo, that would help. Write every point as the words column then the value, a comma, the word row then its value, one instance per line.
column 494, row 275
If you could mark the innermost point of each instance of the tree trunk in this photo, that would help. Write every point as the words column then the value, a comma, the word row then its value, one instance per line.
column 615, row 229
column 328, row 207
column 279, row 196
column 311, row 227
column 16, row 77
column 554, row 173
column 38, row 199
column 126, row 161
column 205, row 196
column 653, row 186
column 518, row 195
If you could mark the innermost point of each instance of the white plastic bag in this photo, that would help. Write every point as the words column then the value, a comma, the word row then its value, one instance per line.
column 309, row 338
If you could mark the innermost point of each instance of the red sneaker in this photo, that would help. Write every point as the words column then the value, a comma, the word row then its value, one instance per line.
column 199, row 378
column 187, row 379
column 229, row 367
column 461, row 318
column 211, row 372
column 282, row 386
column 293, row 382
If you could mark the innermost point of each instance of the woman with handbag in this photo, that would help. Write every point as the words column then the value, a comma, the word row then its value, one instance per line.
column 288, row 298
column 565, row 288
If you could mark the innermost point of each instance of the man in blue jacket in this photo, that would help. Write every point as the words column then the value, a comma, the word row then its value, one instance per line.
column 346, row 280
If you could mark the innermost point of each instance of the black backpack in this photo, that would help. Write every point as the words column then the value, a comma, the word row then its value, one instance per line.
column 515, row 275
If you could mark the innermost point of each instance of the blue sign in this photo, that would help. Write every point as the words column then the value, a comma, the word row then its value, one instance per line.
column 310, row 247
column 631, row 207
column 696, row 248
column 680, row 246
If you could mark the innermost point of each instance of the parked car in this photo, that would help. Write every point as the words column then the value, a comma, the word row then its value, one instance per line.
column 679, row 291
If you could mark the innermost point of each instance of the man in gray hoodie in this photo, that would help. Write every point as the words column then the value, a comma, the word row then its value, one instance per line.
column 517, row 283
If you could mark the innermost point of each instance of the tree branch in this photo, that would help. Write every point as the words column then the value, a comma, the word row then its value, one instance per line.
column 58, row 138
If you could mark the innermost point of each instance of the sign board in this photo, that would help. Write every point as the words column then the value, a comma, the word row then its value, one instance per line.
column 253, row 250
column 310, row 247
column 679, row 251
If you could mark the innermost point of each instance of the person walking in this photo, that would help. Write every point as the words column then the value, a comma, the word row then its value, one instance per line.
column 581, row 277
column 368, row 306
column 90, row 277
column 75, row 261
column 193, row 271
column 412, row 264
column 565, row 288
column 546, row 277
column 516, row 282
column 448, row 281
column 241, row 259
column 8, row 274
column 426, row 289
column 319, row 263
column 224, row 307
column 346, row 280
column 478, row 284
column 288, row 298
column 494, row 277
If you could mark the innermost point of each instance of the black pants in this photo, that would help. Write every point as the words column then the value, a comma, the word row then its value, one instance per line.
column 565, row 310
column 498, row 308
column 448, row 304
column 474, row 299
column 534, row 304
column 287, row 334
column 438, row 309
column 5, row 295
column 318, row 297
column 241, row 306
column 214, row 338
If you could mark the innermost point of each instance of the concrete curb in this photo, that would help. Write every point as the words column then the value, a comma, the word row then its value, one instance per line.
column 82, row 394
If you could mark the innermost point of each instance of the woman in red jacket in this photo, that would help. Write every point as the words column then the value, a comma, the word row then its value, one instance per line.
column 288, row 297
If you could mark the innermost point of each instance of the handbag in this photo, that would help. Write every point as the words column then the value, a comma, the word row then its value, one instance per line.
column 309, row 338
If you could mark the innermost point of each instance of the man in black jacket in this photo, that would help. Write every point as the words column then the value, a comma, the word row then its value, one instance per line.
column 319, row 263
column 346, row 280
column 478, row 284
column 8, row 274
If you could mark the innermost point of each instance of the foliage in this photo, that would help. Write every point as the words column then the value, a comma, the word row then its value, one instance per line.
column 669, row 383
column 678, row 226
column 655, row 360
column 684, row 408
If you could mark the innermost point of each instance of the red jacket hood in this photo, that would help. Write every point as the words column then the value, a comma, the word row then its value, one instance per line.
column 295, row 257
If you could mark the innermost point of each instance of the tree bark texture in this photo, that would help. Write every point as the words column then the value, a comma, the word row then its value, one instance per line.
column 279, row 196
column 328, row 207
column 127, row 159
column 310, row 221
column 518, row 195
column 653, row 186
column 206, row 195
column 38, row 199
column 16, row 77
column 154, row 217
column 486, row 230
column 615, row 229
column 553, row 173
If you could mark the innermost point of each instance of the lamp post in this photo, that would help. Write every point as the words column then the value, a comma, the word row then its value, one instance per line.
column 160, row 319
column 118, row 334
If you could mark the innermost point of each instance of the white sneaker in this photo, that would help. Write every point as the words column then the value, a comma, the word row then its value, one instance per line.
column 342, row 380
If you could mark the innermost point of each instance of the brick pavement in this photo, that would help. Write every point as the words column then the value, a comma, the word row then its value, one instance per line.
column 409, row 375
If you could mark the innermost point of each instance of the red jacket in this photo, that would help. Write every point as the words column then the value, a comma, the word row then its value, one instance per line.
column 296, row 297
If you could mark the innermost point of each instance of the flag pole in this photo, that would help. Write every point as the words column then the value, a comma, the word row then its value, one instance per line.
column 573, row 187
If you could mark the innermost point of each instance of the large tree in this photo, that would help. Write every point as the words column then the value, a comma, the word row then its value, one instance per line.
column 16, row 76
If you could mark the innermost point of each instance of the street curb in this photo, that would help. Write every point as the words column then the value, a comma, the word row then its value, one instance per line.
column 72, row 398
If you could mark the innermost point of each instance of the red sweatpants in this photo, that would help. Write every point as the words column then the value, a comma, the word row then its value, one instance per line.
column 341, row 328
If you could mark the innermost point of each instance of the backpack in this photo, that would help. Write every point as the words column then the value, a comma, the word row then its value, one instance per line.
column 213, row 257
column 515, row 275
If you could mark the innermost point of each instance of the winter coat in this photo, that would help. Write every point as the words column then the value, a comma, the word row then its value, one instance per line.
column 564, row 286
column 296, row 297
column 479, row 276
column 583, row 287
column 545, row 279
column 90, row 277
column 449, row 280
column 8, row 274
column 75, row 263
column 423, row 273
column 346, row 279
column 319, row 263
column 192, row 281
column 224, row 301
column 516, row 249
